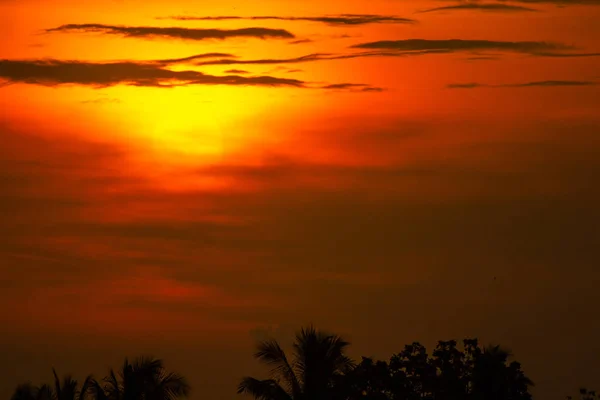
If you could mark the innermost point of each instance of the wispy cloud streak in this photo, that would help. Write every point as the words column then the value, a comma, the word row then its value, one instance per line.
column 418, row 47
column 455, row 45
column 192, row 58
column 552, row 83
column 556, row 2
column 492, row 7
column 174, row 32
column 338, row 19
column 318, row 57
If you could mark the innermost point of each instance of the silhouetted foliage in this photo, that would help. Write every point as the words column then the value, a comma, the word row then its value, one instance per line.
column 320, row 370
column 450, row 373
column 27, row 391
column 144, row 379
column 586, row 394
column 318, row 361
column 68, row 388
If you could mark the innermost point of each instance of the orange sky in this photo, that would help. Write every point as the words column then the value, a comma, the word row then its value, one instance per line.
column 375, row 187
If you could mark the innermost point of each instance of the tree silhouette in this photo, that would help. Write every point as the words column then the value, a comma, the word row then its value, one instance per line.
column 320, row 370
column 27, row 391
column 493, row 379
column 318, row 362
column 452, row 378
column 449, row 374
column 68, row 390
column 586, row 394
column 143, row 379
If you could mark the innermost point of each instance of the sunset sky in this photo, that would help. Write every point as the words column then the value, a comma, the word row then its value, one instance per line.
column 181, row 178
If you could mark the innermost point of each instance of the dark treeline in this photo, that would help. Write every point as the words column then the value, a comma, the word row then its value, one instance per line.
column 319, row 369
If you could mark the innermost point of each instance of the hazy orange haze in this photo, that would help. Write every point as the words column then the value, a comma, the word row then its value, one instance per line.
column 177, row 183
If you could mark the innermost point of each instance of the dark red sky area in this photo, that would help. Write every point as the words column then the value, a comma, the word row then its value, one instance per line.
column 181, row 184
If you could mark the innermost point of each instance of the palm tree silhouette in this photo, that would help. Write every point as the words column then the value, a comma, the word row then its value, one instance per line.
column 67, row 390
column 318, row 359
column 27, row 391
column 143, row 379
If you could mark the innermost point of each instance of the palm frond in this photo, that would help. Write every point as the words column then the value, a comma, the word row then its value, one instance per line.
column 97, row 391
column 85, row 387
column 24, row 391
column 319, row 358
column 69, row 388
column 57, row 389
column 113, row 389
column 271, row 353
column 336, row 346
column 125, row 369
column 171, row 386
column 148, row 365
column 267, row 389
column 44, row 392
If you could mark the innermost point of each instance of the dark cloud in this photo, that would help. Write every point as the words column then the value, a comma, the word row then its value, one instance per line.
column 566, row 55
column 463, row 85
column 339, row 19
column 474, row 85
column 408, row 47
column 561, row 3
column 193, row 58
column 302, row 59
column 57, row 72
column 455, row 45
column 237, row 71
column 418, row 47
column 301, row 41
column 344, row 85
column 354, row 87
column 317, row 57
column 372, row 89
column 553, row 83
column 148, row 74
column 174, row 32
column 344, row 36
column 482, row 58
column 328, row 57
column 558, row 2
column 496, row 7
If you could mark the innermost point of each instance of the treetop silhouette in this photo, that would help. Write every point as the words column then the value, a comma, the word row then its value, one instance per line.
column 318, row 368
